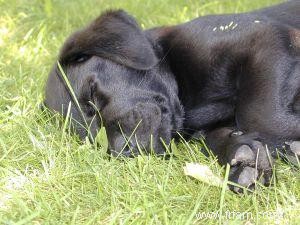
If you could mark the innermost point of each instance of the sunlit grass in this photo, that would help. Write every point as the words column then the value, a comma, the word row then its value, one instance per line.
column 48, row 177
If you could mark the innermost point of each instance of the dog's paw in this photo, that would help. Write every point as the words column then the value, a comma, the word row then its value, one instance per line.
column 249, row 160
column 290, row 153
column 294, row 146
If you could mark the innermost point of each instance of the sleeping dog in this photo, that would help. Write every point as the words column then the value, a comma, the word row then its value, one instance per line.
column 234, row 77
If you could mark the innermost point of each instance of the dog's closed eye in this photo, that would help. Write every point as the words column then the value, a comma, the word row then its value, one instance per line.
column 82, row 58
column 78, row 59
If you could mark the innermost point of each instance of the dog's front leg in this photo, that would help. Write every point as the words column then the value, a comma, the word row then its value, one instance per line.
column 248, row 157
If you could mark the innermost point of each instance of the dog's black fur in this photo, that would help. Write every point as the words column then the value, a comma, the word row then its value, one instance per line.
column 235, row 77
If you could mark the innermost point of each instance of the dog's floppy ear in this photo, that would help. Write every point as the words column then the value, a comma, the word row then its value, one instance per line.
column 114, row 35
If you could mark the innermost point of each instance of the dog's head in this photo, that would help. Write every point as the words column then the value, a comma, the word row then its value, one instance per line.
column 113, row 69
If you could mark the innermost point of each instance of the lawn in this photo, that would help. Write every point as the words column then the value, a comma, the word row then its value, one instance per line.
column 48, row 177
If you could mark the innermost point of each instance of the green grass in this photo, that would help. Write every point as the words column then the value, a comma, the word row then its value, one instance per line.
column 48, row 177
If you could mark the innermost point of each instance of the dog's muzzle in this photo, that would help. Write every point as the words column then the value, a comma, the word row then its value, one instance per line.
column 141, row 129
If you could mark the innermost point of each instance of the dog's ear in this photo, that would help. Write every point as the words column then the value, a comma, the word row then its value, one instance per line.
column 114, row 35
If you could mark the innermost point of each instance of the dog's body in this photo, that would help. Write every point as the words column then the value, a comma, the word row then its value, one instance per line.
column 240, row 71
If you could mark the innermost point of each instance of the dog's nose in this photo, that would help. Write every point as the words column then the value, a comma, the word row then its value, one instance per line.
column 122, row 147
column 128, row 152
column 125, row 153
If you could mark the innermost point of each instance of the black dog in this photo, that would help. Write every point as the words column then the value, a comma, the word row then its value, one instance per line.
column 235, row 77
